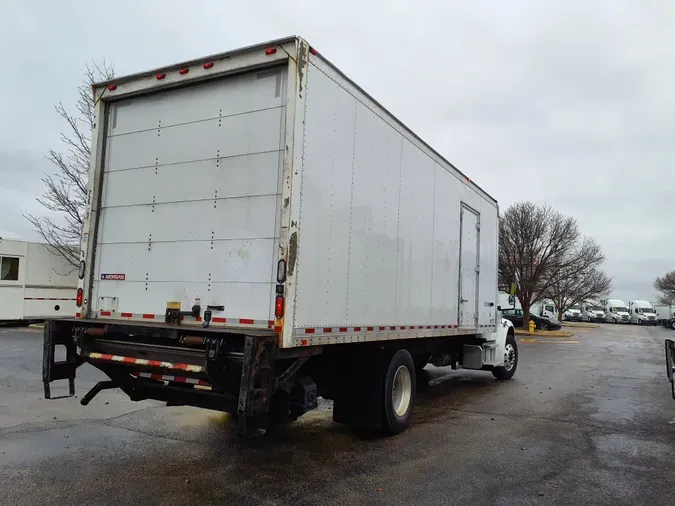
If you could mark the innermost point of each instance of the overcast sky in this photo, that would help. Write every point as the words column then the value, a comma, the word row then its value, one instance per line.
column 570, row 102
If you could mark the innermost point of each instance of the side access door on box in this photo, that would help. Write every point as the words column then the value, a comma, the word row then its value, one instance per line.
column 469, row 268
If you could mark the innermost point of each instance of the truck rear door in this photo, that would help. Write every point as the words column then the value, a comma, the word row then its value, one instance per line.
column 190, row 201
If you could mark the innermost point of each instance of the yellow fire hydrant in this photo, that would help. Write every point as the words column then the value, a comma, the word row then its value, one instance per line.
column 532, row 327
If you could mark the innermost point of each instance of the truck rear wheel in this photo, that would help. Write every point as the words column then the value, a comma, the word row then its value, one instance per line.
column 510, row 360
column 399, row 393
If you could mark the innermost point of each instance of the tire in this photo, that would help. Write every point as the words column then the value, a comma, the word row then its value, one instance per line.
column 639, row 322
column 510, row 360
column 672, row 324
column 400, row 384
column 614, row 320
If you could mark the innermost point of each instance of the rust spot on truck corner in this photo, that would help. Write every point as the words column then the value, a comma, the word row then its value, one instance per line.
column 302, row 63
column 292, row 252
column 286, row 201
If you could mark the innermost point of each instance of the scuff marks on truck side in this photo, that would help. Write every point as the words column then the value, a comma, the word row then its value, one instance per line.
column 303, row 50
column 292, row 252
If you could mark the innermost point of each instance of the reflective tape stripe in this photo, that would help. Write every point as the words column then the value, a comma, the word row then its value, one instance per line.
column 173, row 379
column 216, row 320
column 145, row 362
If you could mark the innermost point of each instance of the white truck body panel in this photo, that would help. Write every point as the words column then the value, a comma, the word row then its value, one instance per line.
column 35, row 283
column 190, row 198
column 616, row 311
column 664, row 312
column 641, row 311
column 197, row 192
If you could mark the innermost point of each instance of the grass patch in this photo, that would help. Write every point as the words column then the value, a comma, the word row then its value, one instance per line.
column 581, row 325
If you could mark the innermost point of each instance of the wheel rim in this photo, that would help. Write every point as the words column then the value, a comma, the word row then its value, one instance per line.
column 401, row 392
column 509, row 357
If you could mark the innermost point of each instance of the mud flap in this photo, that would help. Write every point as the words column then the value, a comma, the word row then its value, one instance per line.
column 257, row 384
column 59, row 333
column 360, row 386
column 670, row 359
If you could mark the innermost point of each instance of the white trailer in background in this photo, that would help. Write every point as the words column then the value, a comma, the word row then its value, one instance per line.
column 261, row 232
column 35, row 283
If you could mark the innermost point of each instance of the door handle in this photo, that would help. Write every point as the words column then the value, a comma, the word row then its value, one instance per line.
column 463, row 300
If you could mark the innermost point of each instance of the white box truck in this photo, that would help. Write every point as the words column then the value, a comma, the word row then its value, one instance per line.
column 35, row 283
column 641, row 313
column 616, row 311
column 262, row 232
column 665, row 315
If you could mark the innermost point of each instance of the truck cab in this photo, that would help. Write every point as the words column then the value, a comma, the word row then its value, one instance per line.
column 573, row 314
column 642, row 313
column 616, row 311
column 592, row 312
column 545, row 308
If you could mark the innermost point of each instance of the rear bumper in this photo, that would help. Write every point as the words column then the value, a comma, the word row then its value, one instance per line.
column 213, row 369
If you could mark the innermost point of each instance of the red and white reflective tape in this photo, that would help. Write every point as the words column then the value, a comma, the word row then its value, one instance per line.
column 216, row 320
column 47, row 298
column 372, row 328
column 142, row 361
column 173, row 379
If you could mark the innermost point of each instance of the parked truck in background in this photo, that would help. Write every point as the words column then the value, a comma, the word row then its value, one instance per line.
column 665, row 315
column 262, row 232
column 642, row 313
column 573, row 314
column 592, row 311
column 35, row 283
column 545, row 308
column 616, row 311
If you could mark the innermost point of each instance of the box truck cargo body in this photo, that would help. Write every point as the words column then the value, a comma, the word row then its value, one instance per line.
column 258, row 206
column 35, row 282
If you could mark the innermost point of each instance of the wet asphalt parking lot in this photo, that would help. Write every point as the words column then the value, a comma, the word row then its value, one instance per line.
column 586, row 420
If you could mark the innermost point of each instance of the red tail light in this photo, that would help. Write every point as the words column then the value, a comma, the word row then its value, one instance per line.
column 183, row 71
column 78, row 299
column 112, row 87
column 271, row 50
column 208, row 65
column 313, row 51
column 161, row 76
column 279, row 307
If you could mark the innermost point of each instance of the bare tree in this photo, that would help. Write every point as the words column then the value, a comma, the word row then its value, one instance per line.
column 580, row 278
column 66, row 188
column 666, row 287
column 534, row 242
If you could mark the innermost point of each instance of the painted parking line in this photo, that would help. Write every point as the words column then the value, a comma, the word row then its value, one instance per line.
column 557, row 341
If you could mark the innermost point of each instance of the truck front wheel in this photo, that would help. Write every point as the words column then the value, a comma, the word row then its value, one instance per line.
column 399, row 393
column 510, row 359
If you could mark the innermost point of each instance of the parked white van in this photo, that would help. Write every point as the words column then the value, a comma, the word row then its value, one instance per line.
column 642, row 313
column 592, row 311
column 616, row 311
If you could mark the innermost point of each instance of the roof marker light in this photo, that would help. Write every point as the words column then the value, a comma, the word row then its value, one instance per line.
column 208, row 65
column 271, row 50
column 183, row 71
column 112, row 87
column 313, row 51
column 161, row 76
